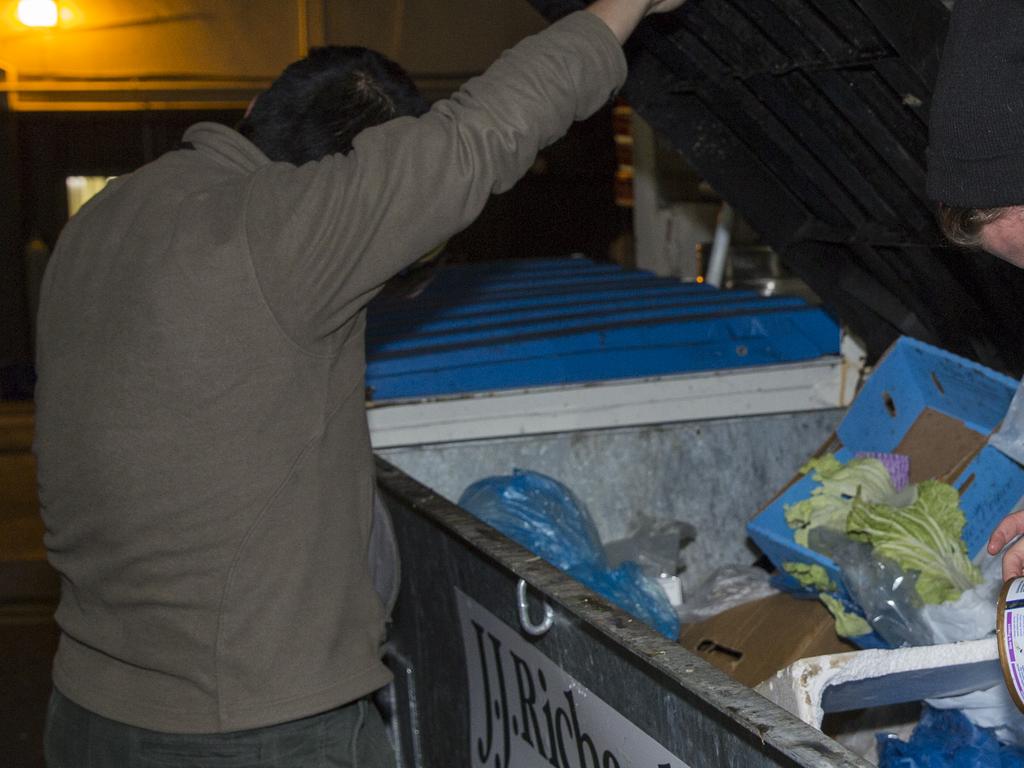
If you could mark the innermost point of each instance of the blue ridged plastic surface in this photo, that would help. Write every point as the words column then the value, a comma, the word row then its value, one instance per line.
column 528, row 323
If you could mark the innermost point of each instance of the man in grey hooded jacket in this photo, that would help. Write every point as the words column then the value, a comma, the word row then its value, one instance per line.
column 205, row 470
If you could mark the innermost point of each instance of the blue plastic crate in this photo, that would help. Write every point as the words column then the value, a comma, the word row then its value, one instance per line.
column 916, row 385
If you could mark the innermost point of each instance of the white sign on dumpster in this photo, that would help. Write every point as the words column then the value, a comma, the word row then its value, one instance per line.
column 527, row 713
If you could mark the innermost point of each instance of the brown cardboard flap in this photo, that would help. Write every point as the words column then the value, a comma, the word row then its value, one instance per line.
column 752, row 642
column 939, row 446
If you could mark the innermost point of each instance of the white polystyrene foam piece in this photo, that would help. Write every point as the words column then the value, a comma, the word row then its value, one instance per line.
column 799, row 687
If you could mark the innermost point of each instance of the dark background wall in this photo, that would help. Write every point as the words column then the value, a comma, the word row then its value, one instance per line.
column 38, row 151
column 13, row 320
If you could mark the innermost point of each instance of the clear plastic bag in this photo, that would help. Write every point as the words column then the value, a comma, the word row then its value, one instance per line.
column 724, row 588
column 546, row 517
column 1010, row 436
column 884, row 592
column 655, row 545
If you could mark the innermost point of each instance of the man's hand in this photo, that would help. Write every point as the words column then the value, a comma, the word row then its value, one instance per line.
column 1010, row 528
column 622, row 16
column 661, row 6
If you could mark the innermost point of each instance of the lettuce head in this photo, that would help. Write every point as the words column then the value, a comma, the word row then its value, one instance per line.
column 830, row 503
column 925, row 536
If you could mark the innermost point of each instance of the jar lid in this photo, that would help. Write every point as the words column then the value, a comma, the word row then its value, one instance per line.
column 1010, row 634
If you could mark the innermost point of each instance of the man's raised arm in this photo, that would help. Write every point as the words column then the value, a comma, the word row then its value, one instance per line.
column 622, row 16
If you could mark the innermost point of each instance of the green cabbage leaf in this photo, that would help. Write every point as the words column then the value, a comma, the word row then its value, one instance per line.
column 830, row 503
column 810, row 575
column 924, row 536
column 847, row 624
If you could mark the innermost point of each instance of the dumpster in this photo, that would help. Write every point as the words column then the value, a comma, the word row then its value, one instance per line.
column 499, row 658
column 557, row 677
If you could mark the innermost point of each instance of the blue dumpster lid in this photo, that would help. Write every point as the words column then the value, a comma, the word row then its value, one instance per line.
column 547, row 322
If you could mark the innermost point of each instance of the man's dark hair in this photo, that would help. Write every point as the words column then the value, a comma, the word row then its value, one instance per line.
column 318, row 104
column 963, row 226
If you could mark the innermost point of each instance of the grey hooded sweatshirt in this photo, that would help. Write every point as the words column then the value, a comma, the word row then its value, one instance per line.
column 205, row 471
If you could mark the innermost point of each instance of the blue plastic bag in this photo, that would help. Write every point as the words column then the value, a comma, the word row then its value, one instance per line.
column 544, row 516
column 945, row 738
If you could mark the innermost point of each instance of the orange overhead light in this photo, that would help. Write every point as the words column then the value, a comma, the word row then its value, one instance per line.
column 38, row 13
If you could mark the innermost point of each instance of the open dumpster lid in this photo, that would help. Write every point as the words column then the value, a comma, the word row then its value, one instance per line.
column 810, row 118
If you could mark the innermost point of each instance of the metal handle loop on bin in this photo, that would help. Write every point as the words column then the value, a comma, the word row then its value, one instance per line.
column 524, row 613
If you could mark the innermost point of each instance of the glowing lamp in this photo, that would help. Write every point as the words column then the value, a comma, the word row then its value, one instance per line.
column 38, row 13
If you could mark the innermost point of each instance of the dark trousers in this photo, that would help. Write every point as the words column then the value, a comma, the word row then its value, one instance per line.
column 352, row 736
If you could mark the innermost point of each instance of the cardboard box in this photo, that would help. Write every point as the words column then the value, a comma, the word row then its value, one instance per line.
column 935, row 407
column 753, row 641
